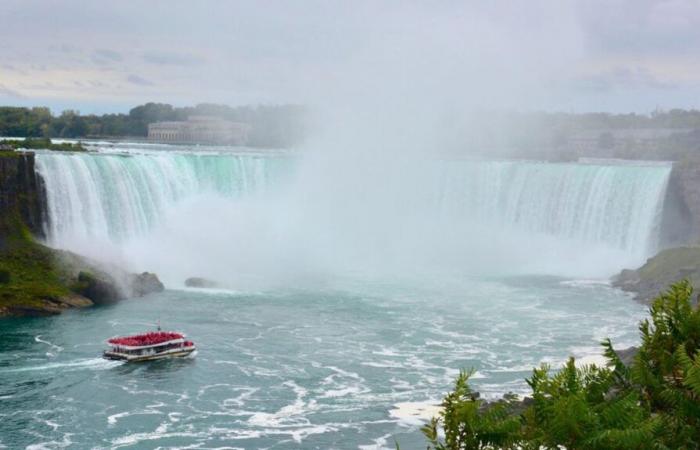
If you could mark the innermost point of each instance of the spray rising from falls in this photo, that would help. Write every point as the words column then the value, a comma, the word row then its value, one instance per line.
column 186, row 214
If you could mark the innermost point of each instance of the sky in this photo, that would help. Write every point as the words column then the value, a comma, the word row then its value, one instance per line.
column 556, row 55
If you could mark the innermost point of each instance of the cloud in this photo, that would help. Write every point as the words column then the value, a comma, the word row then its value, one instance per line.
column 171, row 58
column 104, row 57
column 104, row 53
column 498, row 54
column 10, row 93
column 623, row 78
column 139, row 81
column 641, row 27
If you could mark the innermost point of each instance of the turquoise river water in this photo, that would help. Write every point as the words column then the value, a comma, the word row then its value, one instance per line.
column 336, row 326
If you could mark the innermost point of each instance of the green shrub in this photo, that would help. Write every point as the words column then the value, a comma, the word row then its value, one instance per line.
column 42, row 144
column 653, row 403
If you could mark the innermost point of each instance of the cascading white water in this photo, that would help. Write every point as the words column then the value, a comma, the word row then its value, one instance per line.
column 475, row 208
column 618, row 205
column 117, row 197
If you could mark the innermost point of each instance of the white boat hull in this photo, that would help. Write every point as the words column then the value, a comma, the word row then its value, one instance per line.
column 172, row 353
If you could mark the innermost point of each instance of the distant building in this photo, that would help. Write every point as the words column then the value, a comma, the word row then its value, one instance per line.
column 200, row 130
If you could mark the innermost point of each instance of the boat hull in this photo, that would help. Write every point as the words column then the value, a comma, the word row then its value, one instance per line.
column 179, row 353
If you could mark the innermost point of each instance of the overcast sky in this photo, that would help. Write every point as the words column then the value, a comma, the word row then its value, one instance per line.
column 594, row 55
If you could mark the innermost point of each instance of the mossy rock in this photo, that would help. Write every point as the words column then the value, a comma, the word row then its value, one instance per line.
column 33, row 284
column 667, row 267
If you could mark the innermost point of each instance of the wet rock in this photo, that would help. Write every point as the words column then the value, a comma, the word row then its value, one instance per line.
column 104, row 283
column 98, row 287
column 145, row 283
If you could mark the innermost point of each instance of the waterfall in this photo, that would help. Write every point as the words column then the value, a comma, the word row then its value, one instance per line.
column 607, row 213
column 618, row 205
column 116, row 197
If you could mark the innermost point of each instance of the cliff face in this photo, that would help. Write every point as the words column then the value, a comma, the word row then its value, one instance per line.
column 684, row 186
column 680, row 238
column 680, row 224
column 22, row 194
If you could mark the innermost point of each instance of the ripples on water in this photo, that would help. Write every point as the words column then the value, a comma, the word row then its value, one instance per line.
column 353, row 367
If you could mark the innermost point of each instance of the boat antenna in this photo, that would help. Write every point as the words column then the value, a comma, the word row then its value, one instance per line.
column 159, row 325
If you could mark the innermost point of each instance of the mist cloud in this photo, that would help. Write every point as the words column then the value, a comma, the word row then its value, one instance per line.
column 172, row 58
column 140, row 81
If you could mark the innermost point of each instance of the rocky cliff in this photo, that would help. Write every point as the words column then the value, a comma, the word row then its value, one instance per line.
column 22, row 194
column 667, row 267
column 681, row 222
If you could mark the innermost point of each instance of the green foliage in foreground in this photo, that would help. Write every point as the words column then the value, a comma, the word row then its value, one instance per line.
column 41, row 144
column 654, row 403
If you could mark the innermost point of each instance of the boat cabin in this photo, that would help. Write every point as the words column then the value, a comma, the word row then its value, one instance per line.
column 149, row 346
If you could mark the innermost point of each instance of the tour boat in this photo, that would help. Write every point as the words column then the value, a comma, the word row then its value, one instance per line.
column 149, row 346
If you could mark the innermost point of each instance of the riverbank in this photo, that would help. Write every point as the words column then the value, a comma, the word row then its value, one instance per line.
column 665, row 268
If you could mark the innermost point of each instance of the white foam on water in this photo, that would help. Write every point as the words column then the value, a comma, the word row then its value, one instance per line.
column 587, row 282
column 91, row 363
column 210, row 291
column 383, row 364
column 114, row 418
column 302, row 433
column 379, row 444
column 241, row 399
column 52, row 445
column 289, row 415
column 335, row 393
column 55, row 349
column 415, row 414
column 54, row 426
column 137, row 438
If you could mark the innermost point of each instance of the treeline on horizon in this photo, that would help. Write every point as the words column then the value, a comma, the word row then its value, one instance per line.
column 283, row 126
column 271, row 125
column 673, row 119
column 659, row 135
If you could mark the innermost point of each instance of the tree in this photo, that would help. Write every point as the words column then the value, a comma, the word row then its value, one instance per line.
column 653, row 403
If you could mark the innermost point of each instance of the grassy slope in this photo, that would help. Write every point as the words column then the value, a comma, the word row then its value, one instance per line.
column 667, row 267
column 30, row 275
column 671, row 263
